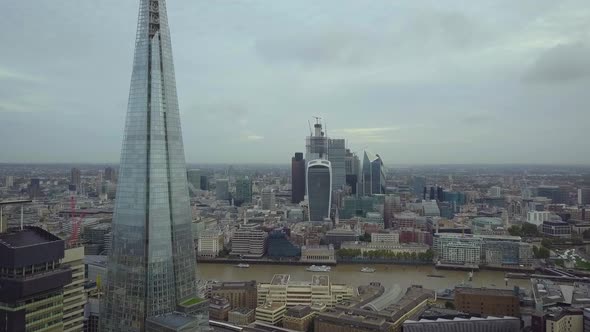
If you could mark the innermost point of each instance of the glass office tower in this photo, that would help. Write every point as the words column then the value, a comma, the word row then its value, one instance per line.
column 151, row 268
column 319, row 189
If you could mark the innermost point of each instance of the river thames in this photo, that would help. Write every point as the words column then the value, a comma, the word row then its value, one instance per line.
column 388, row 275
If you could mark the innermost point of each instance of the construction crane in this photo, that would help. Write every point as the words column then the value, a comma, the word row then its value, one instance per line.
column 76, row 221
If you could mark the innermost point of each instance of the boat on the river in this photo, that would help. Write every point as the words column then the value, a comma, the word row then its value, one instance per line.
column 435, row 276
column 367, row 270
column 316, row 268
column 243, row 266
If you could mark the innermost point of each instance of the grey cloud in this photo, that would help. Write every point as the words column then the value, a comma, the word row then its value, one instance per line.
column 426, row 31
column 562, row 63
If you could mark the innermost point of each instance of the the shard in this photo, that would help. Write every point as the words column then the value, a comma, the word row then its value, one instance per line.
column 151, row 267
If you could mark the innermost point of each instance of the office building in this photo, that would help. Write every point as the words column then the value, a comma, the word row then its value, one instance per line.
column 474, row 324
column 271, row 313
column 487, row 302
column 210, row 243
column 240, row 294
column 357, row 206
column 268, row 199
column 9, row 181
column 194, row 178
column 297, row 178
column 74, row 296
column 204, row 182
column 76, row 179
column 35, row 188
column 222, row 189
column 249, row 241
column 583, row 196
column 319, row 189
column 336, row 154
column 219, row 308
column 32, row 281
column 565, row 320
column 586, row 318
column 557, row 194
column 352, row 166
column 386, row 237
column 365, row 247
column 110, row 174
column 242, row 316
column 243, row 191
column 151, row 267
column 373, row 175
column 557, row 229
column 418, row 183
column 279, row 245
column 319, row 290
column 537, row 217
column 298, row 318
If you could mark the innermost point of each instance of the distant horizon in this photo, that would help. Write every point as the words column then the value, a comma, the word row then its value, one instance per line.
column 288, row 164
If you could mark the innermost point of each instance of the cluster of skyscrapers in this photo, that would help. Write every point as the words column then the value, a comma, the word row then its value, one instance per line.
column 328, row 168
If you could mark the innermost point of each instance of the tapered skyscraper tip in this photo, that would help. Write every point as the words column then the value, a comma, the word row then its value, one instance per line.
column 151, row 266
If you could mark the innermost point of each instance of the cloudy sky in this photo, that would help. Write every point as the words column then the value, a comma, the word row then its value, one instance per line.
column 416, row 81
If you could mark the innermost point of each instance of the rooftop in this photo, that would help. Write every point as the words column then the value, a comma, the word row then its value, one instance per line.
column 298, row 311
column 29, row 236
column 280, row 279
column 484, row 291
column 243, row 311
column 191, row 301
column 320, row 280
column 172, row 320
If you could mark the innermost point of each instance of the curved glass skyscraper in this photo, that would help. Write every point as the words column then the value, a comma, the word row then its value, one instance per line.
column 151, row 268
column 319, row 189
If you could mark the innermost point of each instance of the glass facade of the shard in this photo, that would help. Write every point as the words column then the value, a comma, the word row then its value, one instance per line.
column 151, row 266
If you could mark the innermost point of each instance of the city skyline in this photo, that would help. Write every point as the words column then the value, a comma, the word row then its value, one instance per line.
column 507, row 84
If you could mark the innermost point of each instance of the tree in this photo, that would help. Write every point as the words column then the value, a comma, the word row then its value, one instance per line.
column 542, row 252
column 365, row 237
column 529, row 230
column 514, row 230
column 536, row 251
column 546, row 243
column 450, row 305
column 586, row 234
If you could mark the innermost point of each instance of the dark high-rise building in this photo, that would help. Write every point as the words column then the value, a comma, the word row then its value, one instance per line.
column 204, row 182
column 336, row 155
column 243, row 191
column 297, row 178
column 432, row 193
column 35, row 188
column 319, row 189
column 440, row 194
column 557, row 194
column 110, row 174
column 352, row 166
column 352, row 181
column 373, row 176
column 32, row 281
column 151, row 265
column 76, row 178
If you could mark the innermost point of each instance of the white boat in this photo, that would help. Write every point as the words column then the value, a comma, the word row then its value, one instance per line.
column 243, row 266
column 368, row 270
column 315, row 268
